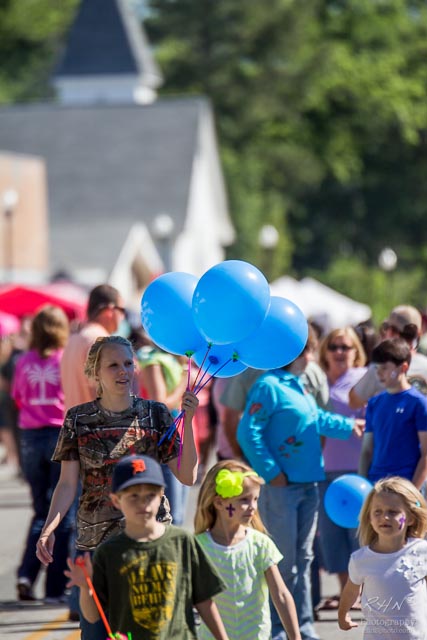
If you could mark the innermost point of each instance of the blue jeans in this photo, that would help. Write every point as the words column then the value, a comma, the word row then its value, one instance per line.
column 37, row 447
column 290, row 515
column 177, row 494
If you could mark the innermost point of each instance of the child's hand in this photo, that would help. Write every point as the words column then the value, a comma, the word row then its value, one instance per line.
column 190, row 403
column 345, row 623
column 75, row 574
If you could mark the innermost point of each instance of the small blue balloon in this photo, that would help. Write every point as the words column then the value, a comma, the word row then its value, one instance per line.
column 219, row 360
column 230, row 301
column 278, row 340
column 167, row 314
column 344, row 499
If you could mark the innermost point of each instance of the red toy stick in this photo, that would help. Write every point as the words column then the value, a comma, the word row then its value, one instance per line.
column 81, row 563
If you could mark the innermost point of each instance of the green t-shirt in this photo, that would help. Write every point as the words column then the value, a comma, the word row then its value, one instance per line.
column 171, row 368
column 149, row 588
column 243, row 607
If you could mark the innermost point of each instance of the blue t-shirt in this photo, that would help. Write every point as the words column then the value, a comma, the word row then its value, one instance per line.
column 395, row 419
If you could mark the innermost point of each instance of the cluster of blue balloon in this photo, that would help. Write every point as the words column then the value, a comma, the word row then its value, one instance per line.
column 226, row 321
column 344, row 499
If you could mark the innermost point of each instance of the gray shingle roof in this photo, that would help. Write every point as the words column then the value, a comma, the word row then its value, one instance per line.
column 108, row 165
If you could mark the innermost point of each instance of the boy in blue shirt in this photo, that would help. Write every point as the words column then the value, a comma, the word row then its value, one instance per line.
column 395, row 438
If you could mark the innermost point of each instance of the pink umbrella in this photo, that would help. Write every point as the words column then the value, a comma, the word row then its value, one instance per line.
column 8, row 324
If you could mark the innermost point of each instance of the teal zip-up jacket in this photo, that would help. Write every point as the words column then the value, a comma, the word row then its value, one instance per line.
column 281, row 427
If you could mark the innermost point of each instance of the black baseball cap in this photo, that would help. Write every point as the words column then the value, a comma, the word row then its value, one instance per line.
column 132, row 470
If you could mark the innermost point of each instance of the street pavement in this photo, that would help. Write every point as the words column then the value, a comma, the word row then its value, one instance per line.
column 38, row 621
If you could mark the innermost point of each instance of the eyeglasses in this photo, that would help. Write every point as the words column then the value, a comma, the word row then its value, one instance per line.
column 339, row 347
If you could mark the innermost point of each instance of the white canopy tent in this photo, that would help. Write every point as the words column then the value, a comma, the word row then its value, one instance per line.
column 320, row 303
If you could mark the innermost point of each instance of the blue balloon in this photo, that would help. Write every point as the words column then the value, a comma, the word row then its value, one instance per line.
column 279, row 339
column 344, row 499
column 167, row 314
column 219, row 360
column 230, row 301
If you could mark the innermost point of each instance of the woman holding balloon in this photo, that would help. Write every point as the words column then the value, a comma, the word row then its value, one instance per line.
column 95, row 435
column 279, row 434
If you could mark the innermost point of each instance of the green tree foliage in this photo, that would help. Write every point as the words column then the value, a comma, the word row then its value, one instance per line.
column 30, row 32
column 322, row 110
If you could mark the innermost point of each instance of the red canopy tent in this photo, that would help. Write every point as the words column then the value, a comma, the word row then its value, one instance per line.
column 20, row 300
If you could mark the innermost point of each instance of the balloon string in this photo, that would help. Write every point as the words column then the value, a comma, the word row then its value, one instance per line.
column 181, row 445
column 197, row 387
column 174, row 434
column 173, row 429
column 168, row 434
column 201, row 366
column 200, row 387
column 188, row 373
column 81, row 563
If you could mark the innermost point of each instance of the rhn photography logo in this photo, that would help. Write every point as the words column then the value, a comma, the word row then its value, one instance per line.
column 388, row 617
column 389, row 626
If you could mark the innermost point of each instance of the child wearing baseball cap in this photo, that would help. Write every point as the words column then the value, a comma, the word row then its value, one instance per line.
column 149, row 577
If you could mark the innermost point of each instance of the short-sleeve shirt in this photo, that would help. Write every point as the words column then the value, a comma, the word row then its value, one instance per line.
column 98, row 439
column 395, row 419
column 37, row 390
column 243, row 607
column 394, row 596
column 149, row 588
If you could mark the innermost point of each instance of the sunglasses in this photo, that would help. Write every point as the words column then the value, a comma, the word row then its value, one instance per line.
column 339, row 347
column 122, row 309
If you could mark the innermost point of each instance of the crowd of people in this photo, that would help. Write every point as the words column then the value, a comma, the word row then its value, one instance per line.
column 109, row 435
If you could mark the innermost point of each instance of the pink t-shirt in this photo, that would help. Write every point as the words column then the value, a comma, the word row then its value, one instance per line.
column 37, row 390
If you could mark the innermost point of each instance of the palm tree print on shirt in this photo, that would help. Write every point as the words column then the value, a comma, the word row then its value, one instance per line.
column 40, row 376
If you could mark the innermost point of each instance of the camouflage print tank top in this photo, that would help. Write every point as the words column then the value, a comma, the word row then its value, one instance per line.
column 97, row 439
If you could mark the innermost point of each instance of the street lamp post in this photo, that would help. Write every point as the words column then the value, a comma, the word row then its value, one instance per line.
column 163, row 227
column 387, row 261
column 268, row 238
column 10, row 200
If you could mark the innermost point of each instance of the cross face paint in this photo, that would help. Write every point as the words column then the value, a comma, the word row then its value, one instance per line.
column 230, row 510
column 241, row 509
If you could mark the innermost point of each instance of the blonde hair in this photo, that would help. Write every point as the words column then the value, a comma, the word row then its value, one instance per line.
column 205, row 512
column 415, row 505
column 95, row 352
column 346, row 332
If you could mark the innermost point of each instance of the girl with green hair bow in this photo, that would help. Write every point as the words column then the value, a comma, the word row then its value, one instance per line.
column 231, row 532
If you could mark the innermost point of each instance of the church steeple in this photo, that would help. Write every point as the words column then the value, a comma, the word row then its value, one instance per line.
column 107, row 57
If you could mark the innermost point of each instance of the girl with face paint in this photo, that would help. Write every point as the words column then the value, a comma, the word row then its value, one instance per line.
column 392, row 565
column 230, row 530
